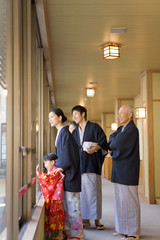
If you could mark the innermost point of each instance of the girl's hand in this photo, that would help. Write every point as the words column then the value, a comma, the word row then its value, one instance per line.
column 37, row 169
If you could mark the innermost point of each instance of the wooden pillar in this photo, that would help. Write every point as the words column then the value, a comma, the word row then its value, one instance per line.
column 103, row 125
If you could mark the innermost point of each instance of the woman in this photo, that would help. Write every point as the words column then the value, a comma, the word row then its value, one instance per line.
column 69, row 163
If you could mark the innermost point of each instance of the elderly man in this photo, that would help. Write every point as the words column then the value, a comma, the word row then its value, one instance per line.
column 124, row 146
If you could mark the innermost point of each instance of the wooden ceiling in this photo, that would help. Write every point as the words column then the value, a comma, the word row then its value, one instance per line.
column 77, row 30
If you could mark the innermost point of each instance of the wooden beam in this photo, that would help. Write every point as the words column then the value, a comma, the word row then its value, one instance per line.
column 41, row 8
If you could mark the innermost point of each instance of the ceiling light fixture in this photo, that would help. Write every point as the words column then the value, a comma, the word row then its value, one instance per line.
column 111, row 51
column 91, row 92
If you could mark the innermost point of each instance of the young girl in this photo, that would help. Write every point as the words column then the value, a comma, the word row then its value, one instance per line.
column 52, row 189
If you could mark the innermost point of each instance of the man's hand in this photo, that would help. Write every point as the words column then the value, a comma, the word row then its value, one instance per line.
column 92, row 150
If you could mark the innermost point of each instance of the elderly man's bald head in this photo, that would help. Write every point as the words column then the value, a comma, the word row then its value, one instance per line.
column 125, row 114
column 129, row 109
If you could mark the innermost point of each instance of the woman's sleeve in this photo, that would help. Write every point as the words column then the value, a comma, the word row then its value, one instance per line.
column 68, row 151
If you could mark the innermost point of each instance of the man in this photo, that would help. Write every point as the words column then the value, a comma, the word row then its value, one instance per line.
column 92, row 144
column 124, row 146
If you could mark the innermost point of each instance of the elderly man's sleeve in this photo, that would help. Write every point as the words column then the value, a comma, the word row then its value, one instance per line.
column 123, row 144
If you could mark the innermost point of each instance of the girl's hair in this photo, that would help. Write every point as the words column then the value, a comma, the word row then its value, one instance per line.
column 73, row 123
column 50, row 156
column 59, row 113
column 80, row 109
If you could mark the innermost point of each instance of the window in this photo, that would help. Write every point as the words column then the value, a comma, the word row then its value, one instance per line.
column 3, row 126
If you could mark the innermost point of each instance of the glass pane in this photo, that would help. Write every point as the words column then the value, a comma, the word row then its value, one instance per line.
column 3, row 126
column 3, row 158
column 38, row 77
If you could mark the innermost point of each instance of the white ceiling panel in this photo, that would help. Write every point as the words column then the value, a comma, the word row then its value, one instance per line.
column 79, row 28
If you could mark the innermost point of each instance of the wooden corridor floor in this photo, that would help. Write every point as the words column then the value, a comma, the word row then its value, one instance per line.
column 150, row 218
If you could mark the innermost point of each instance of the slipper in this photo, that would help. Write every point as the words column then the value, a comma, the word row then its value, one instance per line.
column 86, row 224
column 119, row 234
column 100, row 227
column 131, row 237
column 76, row 238
column 65, row 235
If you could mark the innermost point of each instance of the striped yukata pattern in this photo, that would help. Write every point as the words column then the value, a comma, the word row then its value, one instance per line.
column 91, row 196
column 127, row 209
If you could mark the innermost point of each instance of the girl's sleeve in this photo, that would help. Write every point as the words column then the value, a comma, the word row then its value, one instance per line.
column 48, row 183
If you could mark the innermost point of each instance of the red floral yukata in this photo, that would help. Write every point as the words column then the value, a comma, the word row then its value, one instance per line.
column 52, row 190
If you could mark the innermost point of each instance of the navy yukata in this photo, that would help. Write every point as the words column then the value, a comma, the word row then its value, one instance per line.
column 69, row 160
column 124, row 146
column 91, row 166
column 91, row 163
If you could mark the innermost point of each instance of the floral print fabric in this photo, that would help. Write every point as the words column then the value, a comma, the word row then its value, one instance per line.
column 72, row 210
column 52, row 190
column 54, row 216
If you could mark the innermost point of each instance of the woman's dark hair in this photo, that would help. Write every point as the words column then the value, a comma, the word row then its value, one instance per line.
column 59, row 113
column 80, row 109
column 50, row 156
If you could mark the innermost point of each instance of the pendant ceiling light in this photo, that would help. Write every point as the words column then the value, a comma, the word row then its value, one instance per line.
column 90, row 92
column 111, row 51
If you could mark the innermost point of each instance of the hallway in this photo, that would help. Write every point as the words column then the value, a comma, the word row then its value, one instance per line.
column 150, row 218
